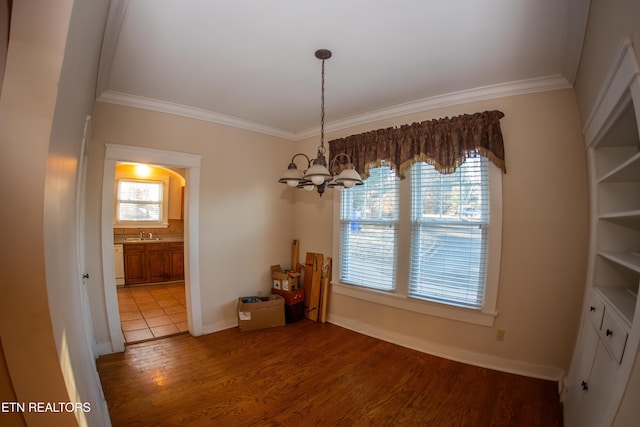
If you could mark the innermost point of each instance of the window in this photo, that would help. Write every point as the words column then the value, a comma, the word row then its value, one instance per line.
column 141, row 203
column 449, row 221
column 434, row 248
column 369, row 230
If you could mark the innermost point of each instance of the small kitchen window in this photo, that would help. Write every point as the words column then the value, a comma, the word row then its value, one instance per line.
column 141, row 203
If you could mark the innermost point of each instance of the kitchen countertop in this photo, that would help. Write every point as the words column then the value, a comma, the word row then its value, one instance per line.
column 158, row 238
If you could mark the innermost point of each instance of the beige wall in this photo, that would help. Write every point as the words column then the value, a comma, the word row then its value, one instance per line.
column 544, row 249
column 4, row 36
column 47, row 92
column 26, row 113
column 245, row 216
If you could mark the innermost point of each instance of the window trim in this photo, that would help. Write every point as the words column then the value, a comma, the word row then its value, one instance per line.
column 164, row 220
column 400, row 298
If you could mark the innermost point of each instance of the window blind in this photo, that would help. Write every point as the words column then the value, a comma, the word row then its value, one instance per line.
column 369, row 231
column 450, row 219
column 139, row 200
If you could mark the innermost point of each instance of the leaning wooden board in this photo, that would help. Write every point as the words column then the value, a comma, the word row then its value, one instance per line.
column 295, row 256
column 312, row 283
column 324, row 290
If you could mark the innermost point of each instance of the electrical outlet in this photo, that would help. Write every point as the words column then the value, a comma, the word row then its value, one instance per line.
column 500, row 335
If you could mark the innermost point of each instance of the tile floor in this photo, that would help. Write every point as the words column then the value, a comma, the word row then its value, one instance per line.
column 152, row 311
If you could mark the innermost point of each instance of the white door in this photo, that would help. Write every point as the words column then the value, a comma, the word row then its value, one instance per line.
column 80, row 223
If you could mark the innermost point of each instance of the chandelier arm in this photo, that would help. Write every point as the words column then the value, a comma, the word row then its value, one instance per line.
column 334, row 162
column 303, row 155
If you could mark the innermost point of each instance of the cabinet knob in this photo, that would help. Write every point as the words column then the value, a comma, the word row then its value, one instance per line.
column 592, row 308
column 585, row 386
column 609, row 332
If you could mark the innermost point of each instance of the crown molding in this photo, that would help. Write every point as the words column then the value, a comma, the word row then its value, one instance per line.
column 120, row 98
column 615, row 93
column 578, row 18
column 520, row 87
column 115, row 18
column 541, row 84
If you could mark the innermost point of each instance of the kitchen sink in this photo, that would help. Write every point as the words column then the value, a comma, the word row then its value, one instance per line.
column 140, row 239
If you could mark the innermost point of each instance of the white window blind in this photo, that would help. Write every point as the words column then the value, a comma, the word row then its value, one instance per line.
column 369, row 231
column 450, row 218
column 139, row 201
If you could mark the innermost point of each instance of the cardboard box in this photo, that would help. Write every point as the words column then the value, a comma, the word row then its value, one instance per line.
column 290, row 297
column 284, row 280
column 294, row 312
column 266, row 313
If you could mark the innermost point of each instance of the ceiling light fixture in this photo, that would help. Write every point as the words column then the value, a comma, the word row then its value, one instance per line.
column 316, row 174
column 143, row 171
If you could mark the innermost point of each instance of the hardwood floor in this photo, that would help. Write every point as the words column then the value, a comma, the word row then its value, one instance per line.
column 312, row 374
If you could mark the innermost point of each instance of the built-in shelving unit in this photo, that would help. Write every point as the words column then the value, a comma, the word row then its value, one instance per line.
column 609, row 336
column 617, row 267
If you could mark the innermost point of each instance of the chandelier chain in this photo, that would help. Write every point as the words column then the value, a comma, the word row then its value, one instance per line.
column 319, row 173
column 322, row 111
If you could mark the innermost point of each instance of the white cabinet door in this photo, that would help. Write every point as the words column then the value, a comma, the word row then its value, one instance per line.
column 580, row 372
column 596, row 407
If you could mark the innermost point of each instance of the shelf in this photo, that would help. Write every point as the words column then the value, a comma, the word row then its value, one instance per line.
column 625, row 259
column 632, row 215
column 621, row 300
column 616, row 197
column 628, row 171
column 624, row 132
column 629, row 219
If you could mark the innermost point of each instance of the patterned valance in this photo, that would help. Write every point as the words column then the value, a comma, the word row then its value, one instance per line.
column 444, row 143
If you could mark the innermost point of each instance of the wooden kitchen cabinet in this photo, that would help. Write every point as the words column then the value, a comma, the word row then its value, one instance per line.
column 157, row 262
column 176, row 260
column 153, row 262
column 134, row 264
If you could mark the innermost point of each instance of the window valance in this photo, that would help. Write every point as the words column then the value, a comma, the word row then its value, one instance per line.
column 444, row 143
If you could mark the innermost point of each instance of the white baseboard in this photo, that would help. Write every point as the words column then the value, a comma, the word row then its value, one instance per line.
column 106, row 348
column 219, row 326
column 103, row 348
column 453, row 353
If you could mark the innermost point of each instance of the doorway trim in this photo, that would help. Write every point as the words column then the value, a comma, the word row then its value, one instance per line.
column 191, row 162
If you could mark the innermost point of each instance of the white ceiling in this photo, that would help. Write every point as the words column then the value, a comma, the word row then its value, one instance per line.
column 251, row 63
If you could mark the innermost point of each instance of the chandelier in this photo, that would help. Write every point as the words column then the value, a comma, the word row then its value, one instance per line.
column 317, row 175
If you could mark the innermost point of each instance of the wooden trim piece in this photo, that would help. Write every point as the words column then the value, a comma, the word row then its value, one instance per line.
column 324, row 290
column 295, row 256
column 312, row 283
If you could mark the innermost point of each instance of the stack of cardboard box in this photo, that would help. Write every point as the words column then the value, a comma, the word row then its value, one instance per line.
column 286, row 284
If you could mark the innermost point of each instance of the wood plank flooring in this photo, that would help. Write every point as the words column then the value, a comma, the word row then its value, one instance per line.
column 312, row 374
